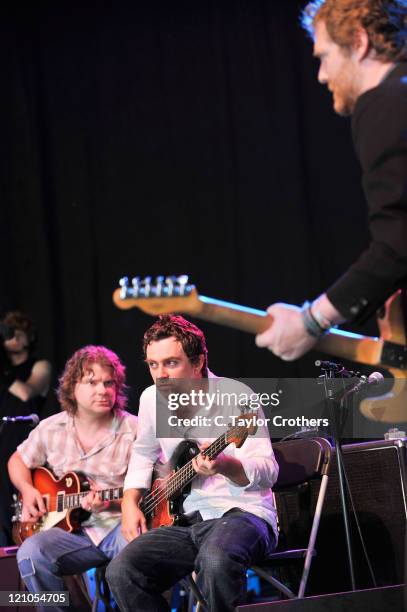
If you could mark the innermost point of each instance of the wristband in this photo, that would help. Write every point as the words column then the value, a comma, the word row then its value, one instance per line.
column 323, row 321
column 312, row 327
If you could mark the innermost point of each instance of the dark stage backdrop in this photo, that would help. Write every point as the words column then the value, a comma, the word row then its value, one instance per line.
column 162, row 138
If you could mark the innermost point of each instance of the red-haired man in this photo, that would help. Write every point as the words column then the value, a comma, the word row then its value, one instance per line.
column 361, row 46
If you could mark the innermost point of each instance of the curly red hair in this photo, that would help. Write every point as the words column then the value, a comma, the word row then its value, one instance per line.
column 79, row 364
column 385, row 22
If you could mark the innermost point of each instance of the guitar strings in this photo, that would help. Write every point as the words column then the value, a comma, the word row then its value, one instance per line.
column 56, row 498
column 172, row 482
column 218, row 445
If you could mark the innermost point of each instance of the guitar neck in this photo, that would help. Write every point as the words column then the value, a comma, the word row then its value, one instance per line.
column 336, row 342
column 175, row 483
column 174, row 294
column 185, row 474
column 73, row 500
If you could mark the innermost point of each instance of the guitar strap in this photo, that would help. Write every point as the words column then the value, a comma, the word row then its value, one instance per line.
column 192, row 518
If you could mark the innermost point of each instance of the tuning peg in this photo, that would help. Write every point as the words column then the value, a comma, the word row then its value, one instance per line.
column 169, row 281
column 147, row 286
column 182, row 282
column 136, row 286
column 124, row 284
column 159, row 282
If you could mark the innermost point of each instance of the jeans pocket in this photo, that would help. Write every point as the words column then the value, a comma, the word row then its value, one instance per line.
column 26, row 568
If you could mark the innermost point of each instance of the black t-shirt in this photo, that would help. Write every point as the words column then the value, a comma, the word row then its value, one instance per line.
column 10, row 405
column 379, row 129
column 12, row 434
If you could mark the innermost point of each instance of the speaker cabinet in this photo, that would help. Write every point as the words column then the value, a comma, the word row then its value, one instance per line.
column 376, row 473
column 384, row 599
column 10, row 581
column 10, row 577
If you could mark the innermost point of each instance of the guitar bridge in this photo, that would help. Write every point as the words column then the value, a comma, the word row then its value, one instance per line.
column 394, row 355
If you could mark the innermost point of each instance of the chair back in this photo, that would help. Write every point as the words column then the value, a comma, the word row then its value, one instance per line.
column 301, row 460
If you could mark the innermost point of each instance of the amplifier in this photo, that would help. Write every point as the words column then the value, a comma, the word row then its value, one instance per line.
column 384, row 599
column 376, row 473
column 10, row 581
column 10, row 577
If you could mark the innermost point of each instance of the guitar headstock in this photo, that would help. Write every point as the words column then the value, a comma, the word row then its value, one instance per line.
column 163, row 295
column 246, row 425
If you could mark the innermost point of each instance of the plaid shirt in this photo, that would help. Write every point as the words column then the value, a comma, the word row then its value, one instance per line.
column 54, row 444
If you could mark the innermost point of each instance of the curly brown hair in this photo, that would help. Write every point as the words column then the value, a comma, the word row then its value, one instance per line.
column 385, row 22
column 192, row 339
column 79, row 364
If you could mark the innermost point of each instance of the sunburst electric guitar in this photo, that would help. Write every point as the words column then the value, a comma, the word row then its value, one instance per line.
column 389, row 350
column 62, row 499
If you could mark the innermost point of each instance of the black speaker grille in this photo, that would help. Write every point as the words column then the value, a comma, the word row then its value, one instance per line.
column 376, row 474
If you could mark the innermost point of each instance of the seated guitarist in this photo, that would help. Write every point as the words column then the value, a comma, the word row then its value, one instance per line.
column 93, row 435
column 233, row 519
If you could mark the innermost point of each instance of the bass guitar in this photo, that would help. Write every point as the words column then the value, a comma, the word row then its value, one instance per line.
column 162, row 506
column 389, row 350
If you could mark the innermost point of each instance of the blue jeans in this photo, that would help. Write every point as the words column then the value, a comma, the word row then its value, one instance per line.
column 219, row 550
column 47, row 556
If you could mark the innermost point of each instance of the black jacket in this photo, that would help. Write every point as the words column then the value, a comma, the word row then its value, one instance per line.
column 379, row 129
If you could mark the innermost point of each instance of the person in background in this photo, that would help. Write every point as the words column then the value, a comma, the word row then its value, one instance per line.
column 24, row 384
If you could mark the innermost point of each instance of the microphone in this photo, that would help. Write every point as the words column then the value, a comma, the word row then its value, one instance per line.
column 33, row 419
column 337, row 368
column 329, row 365
column 375, row 378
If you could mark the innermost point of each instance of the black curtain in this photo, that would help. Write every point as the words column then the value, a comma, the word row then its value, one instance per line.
column 161, row 138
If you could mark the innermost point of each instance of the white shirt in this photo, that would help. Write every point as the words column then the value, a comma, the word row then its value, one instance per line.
column 212, row 495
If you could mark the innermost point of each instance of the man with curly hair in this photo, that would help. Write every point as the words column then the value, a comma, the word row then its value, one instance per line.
column 362, row 49
column 93, row 435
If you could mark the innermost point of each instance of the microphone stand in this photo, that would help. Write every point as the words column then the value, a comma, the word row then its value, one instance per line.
column 331, row 401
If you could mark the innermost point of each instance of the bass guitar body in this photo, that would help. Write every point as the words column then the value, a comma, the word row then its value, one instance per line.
column 165, row 501
column 162, row 505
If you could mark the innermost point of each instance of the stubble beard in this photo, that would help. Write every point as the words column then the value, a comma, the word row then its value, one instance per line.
column 345, row 91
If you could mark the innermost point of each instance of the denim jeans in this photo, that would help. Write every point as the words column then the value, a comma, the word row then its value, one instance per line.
column 47, row 556
column 219, row 550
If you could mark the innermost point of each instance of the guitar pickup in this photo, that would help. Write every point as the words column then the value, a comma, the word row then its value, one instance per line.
column 394, row 355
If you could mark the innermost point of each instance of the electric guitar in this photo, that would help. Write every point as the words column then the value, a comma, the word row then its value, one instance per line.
column 62, row 500
column 389, row 350
column 162, row 506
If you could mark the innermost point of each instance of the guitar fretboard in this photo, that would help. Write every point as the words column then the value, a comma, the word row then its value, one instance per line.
column 73, row 500
column 186, row 474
